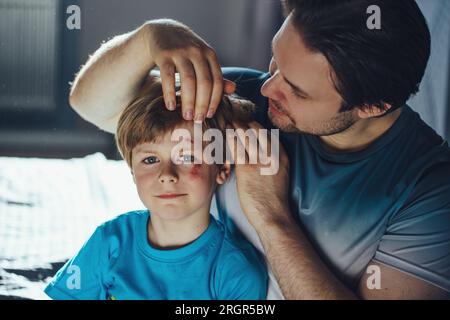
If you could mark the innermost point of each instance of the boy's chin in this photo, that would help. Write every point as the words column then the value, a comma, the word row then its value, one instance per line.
column 172, row 213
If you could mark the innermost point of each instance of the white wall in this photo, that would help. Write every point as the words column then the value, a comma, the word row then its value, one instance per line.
column 432, row 101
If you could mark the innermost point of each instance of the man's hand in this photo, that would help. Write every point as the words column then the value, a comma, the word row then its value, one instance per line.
column 175, row 48
column 115, row 73
column 263, row 198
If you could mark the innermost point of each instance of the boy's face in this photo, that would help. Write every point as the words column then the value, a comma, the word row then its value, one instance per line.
column 174, row 190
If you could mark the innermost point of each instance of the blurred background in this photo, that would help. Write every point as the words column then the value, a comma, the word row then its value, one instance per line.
column 39, row 56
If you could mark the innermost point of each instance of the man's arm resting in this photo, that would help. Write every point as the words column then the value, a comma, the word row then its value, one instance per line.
column 302, row 275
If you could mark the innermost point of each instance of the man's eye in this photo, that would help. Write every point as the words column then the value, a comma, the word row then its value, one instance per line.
column 298, row 95
column 151, row 160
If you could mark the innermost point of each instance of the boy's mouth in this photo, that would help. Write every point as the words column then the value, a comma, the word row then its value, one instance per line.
column 171, row 195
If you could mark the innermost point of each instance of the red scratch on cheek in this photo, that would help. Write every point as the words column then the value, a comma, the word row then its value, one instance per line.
column 194, row 173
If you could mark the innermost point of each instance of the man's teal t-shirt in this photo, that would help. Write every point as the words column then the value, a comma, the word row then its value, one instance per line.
column 389, row 202
column 118, row 263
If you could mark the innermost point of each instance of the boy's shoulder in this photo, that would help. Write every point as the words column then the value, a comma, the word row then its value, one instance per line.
column 240, row 272
column 233, row 245
column 238, row 251
column 127, row 216
column 124, row 221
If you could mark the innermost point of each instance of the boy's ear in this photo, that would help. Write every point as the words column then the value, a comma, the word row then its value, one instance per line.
column 223, row 174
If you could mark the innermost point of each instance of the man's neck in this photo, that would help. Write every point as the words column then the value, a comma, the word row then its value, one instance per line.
column 361, row 134
column 171, row 234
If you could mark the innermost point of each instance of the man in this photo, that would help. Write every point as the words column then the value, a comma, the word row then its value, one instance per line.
column 369, row 181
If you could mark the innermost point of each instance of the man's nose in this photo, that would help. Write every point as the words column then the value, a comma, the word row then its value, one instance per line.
column 168, row 174
column 270, row 88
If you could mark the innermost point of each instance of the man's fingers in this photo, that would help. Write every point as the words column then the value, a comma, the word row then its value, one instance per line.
column 264, row 143
column 255, row 125
column 235, row 147
column 257, row 143
column 188, row 88
column 248, row 137
column 263, row 136
column 217, row 84
column 202, row 85
column 229, row 139
column 204, row 88
column 229, row 86
column 239, row 144
column 270, row 147
column 167, row 73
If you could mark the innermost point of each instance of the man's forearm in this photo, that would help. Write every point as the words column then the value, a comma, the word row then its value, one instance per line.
column 300, row 272
column 111, row 78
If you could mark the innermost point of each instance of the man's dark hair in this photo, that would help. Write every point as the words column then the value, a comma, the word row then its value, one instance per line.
column 370, row 67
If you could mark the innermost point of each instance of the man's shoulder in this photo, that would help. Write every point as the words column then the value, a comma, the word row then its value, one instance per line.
column 426, row 152
column 248, row 81
column 436, row 177
column 239, row 75
column 419, row 155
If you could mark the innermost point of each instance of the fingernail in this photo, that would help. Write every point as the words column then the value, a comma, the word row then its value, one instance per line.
column 210, row 113
column 188, row 115
column 199, row 118
column 171, row 105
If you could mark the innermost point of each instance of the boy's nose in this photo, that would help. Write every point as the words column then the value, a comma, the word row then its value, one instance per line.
column 168, row 174
column 167, row 178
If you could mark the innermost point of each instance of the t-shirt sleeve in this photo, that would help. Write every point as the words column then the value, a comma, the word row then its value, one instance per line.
column 81, row 277
column 417, row 239
column 242, row 276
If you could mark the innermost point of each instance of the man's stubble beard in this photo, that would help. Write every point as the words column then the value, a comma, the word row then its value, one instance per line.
column 337, row 124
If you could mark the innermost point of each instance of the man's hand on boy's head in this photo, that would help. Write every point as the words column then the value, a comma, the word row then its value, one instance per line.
column 175, row 48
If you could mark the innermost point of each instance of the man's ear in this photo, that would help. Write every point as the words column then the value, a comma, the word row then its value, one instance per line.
column 366, row 112
column 224, row 173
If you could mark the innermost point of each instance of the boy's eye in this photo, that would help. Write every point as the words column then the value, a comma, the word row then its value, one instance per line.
column 187, row 159
column 151, row 160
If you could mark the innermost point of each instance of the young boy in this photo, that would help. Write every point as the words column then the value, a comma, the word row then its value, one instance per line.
column 175, row 249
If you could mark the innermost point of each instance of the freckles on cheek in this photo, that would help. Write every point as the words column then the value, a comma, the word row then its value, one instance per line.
column 145, row 176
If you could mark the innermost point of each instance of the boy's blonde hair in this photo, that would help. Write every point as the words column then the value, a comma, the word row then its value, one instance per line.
column 146, row 118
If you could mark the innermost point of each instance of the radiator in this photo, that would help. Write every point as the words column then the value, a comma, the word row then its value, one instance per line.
column 29, row 52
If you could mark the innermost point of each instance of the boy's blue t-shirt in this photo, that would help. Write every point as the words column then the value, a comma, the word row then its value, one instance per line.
column 118, row 262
